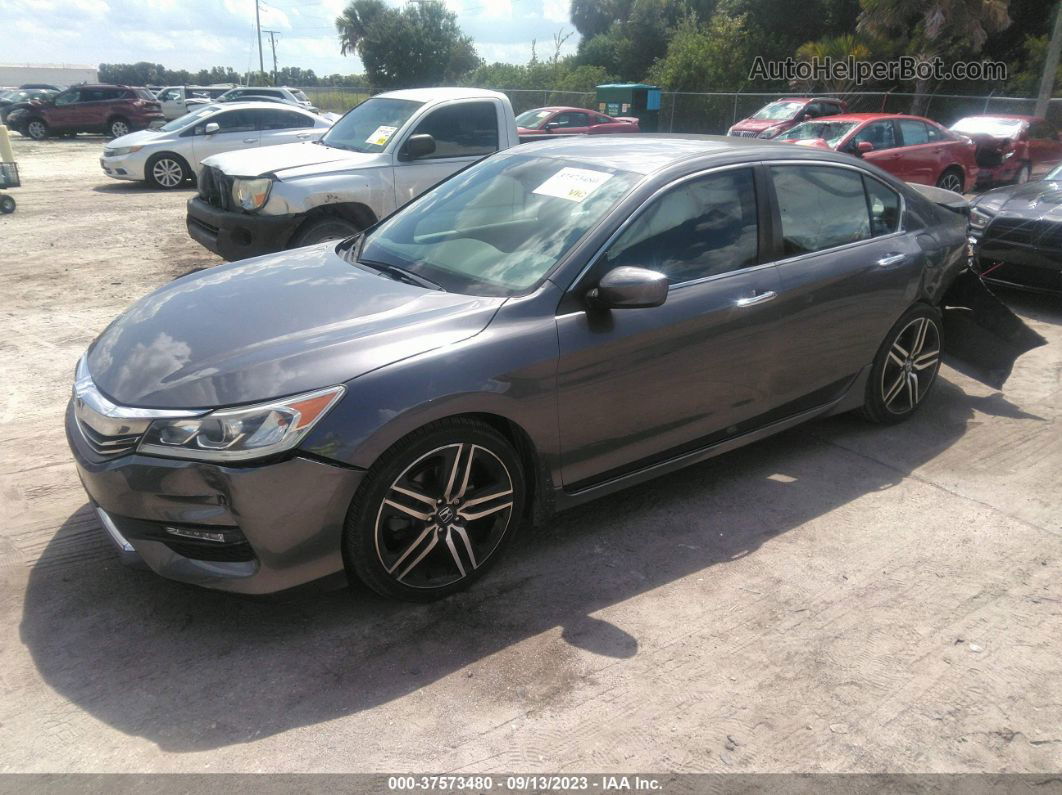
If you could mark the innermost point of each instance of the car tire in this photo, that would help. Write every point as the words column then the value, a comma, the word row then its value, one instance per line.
column 435, row 511
column 1023, row 175
column 951, row 180
column 905, row 367
column 36, row 128
column 320, row 230
column 118, row 126
column 167, row 171
column 7, row 204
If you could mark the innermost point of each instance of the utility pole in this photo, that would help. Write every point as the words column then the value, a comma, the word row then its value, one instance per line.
column 258, row 27
column 273, row 43
column 1047, row 82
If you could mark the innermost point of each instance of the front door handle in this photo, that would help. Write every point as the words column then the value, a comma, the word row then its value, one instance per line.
column 249, row 140
column 891, row 259
column 752, row 300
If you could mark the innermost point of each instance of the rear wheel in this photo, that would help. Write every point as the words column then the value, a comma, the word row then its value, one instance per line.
column 7, row 205
column 37, row 129
column 435, row 511
column 118, row 127
column 166, row 171
column 951, row 180
column 323, row 229
column 905, row 367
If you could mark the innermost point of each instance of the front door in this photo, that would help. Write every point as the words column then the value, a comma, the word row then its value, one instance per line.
column 845, row 274
column 66, row 109
column 886, row 153
column 464, row 132
column 237, row 131
column 637, row 384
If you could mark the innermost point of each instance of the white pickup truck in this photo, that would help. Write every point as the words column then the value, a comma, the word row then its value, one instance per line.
column 380, row 155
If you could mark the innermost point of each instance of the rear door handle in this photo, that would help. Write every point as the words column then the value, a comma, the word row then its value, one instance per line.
column 891, row 259
column 752, row 300
column 303, row 135
column 249, row 140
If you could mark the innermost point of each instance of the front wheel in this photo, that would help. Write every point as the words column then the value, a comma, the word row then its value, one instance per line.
column 37, row 129
column 118, row 127
column 435, row 511
column 951, row 180
column 7, row 205
column 166, row 171
column 323, row 229
column 905, row 367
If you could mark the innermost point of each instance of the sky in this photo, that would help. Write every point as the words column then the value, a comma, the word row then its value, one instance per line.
column 195, row 34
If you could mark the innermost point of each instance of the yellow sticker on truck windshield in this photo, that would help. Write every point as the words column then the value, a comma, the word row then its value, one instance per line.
column 573, row 184
column 381, row 135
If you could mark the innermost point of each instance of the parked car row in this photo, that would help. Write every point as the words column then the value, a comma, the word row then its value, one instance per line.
column 982, row 150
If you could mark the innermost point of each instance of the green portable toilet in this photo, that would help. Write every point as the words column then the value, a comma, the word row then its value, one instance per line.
column 639, row 100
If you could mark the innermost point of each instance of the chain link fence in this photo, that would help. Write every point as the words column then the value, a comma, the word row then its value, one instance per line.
column 713, row 112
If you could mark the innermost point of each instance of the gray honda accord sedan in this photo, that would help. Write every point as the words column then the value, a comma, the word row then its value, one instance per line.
column 556, row 322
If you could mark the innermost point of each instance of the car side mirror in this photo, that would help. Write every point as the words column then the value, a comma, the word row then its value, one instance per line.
column 863, row 147
column 629, row 287
column 211, row 128
column 551, row 126
column 418, row 146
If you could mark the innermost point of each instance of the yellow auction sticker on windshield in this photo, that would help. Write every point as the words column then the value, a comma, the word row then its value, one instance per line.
column 573, row 184
column 381, row 135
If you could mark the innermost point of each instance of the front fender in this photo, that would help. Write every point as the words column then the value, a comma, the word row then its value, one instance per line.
column 373, row 188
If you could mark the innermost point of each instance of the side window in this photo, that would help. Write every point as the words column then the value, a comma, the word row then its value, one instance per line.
column 913, row 132
column 469, row 128
column 230, row 122
column 883, row 203
column 91, row 95
column 171, row 95
column 580, row 120
column 879, row 133
column 821, row 207
column 602, row 120
column 562, row 120
column 934, row 134
column 700, row 228
column 814, row 110
column 67, row 98
column 281, row 120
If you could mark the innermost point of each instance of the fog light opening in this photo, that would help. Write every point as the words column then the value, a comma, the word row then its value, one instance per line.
column 198, row 535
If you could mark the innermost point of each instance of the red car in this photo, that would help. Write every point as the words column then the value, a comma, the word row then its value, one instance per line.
column 111, row 110
column 911, row 148
column 1011, row 148
column 546, row 121
column 785, row 113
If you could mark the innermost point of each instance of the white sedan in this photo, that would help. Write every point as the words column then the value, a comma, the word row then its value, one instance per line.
column 170, row 155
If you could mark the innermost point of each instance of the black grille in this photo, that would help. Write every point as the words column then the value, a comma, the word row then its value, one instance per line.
column 227, row 553
column 989, row 156
column 1039, row 233
column 215, row 187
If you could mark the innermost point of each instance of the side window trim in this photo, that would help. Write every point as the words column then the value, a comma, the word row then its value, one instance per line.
column 419, row 120
column 778, row 255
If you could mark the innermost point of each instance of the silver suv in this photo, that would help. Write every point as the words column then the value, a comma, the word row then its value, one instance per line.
column 292, row 95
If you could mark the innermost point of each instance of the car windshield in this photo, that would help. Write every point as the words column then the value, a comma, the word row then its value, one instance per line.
column 189, row 118
column 369, row 126
column 532, row 119
column 498, row 227
column 299, row 95
column 778, row 111
column 830, row 131
column 986, row 125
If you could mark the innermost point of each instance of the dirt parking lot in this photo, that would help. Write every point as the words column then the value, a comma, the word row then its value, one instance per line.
column 838, row 598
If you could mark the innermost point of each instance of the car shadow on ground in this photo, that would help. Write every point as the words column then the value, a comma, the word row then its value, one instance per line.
column 136, row 186
column 191, row 669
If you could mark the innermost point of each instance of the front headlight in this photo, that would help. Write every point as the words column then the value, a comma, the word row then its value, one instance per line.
column 250, row 194
column 242, row 433
column 770, row 132
column 979, row 219
column 122, row 150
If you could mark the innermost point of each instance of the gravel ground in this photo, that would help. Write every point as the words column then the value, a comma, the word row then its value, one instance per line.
column 837, row 598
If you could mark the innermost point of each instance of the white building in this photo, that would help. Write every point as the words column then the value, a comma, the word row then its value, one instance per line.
column 61, row 75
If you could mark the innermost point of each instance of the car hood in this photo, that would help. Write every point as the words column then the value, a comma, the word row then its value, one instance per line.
column 283, row 160
column 759, row 125
column 1032, row 200
column 138, row 138
column 272, row 326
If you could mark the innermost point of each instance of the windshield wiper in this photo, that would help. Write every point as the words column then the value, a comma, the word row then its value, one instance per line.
column 402, row 275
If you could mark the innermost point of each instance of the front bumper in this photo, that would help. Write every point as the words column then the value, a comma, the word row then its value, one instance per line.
column 123, row 167
column 238, row 235
column 1012, row 264
column 282, row 521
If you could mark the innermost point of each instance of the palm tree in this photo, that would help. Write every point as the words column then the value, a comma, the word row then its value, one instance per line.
column 353, row 25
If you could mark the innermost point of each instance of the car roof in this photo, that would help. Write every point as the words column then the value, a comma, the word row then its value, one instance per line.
column 256, row 104
column 806, row 100
column 1008, row 116
column 559, row 108
column 442, row 94
column 650, row 153
column 861, row 117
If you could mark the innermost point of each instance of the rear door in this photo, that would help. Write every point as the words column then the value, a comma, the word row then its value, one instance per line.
column 238, row 131
column 846, row 268
column 922, row 160
column 464, row 132
column 634, row 384
column 278, row 126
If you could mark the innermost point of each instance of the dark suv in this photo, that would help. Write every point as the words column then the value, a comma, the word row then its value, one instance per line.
column 113, row 110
